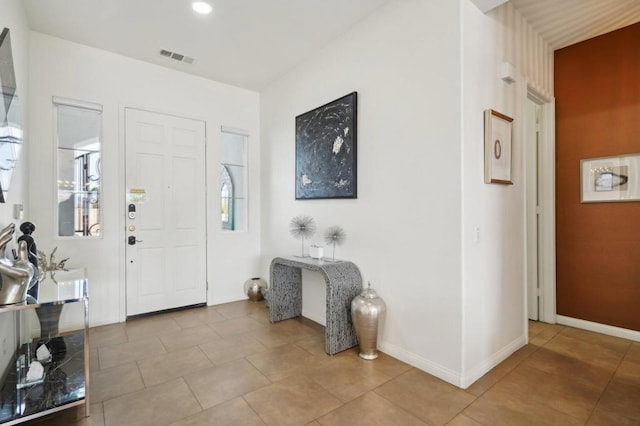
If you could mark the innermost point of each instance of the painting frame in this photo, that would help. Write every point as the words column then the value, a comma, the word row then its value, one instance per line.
column 611, row 179
column 498, row 134
column 326, row 150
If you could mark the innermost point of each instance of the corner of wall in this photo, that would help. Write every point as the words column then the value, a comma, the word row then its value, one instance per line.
column 424, row 364
column 469, row 376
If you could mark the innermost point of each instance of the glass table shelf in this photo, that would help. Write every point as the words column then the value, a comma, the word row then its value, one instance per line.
column 71, row 287
column 65, row 382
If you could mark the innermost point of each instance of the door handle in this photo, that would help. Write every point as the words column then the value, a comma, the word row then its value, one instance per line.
column 132, row 240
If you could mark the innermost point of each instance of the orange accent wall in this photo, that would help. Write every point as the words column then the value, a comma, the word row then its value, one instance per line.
column 597, row 90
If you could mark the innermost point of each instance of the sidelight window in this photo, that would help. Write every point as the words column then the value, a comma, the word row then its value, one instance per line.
column 233, row 177
column 79, row 167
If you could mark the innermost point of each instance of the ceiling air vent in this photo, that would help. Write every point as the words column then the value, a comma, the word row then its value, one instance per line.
column 176, row 56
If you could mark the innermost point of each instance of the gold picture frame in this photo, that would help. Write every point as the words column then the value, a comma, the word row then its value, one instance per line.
column 498, row 130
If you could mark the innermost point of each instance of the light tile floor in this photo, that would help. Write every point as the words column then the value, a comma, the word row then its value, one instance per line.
column 227, row 365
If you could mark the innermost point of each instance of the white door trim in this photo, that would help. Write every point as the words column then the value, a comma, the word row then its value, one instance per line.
column 548, row 213
column 546, row 189
column 532, row 140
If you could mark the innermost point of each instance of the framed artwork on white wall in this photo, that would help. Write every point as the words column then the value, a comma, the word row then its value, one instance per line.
column 498, row 129
column 326, row 154
column 610, row 179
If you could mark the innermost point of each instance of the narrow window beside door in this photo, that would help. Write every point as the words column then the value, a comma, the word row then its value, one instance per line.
column 79, row 167
column 233, row 177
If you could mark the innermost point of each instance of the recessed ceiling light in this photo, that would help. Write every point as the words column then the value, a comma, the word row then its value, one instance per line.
column 202, row 7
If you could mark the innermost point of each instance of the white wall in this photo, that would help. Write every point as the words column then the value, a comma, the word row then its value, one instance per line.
column 403, row 231
column 494, row 277
column 424, row 72
column 69, row 70
column 12, row 16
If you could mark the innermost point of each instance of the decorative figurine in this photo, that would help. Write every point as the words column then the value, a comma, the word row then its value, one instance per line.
column 27, row 229
column 51, row 265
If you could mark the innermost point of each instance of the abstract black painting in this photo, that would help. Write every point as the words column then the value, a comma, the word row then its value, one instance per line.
column 326, row 140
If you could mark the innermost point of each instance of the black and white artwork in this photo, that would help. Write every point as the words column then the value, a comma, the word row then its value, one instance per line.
column 610, row 179
column 326, row 140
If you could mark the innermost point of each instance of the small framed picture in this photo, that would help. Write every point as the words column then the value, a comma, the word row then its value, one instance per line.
column 498, row 129
column 610, row 179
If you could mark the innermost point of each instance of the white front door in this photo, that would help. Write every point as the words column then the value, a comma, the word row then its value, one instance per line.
column 166, row 237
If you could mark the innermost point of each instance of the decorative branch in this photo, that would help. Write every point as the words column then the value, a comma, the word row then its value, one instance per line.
column 50, row 265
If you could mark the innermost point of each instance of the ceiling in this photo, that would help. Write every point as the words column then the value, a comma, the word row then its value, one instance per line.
column 246, row 43
column 250, row 43
column 565, row 22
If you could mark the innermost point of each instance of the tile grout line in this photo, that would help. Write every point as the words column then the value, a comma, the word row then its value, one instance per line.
column 144, row 382
column 395, row 405
column 193, row 394
column 613, row 374
column 252, row 409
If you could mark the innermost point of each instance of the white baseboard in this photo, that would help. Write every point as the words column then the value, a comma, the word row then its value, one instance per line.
column 461, row 380
column 483, row 368
column 222, row 301
column 610, row 330
column 423, row 364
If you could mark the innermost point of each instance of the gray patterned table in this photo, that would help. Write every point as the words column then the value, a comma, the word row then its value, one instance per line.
column 344, row 282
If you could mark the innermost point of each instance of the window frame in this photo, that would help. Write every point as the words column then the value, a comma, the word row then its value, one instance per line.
column 245, row 190
column 58, row 102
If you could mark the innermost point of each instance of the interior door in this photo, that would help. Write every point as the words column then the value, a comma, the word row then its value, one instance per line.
column 165, row 213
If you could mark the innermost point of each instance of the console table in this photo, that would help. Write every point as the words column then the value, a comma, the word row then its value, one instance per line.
column 66, row 374
column 344, row 282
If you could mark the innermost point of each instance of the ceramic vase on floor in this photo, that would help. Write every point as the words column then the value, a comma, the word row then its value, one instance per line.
column 366, row 309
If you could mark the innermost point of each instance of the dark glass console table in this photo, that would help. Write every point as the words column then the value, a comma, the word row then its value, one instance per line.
column 65, row 382
column 344, row 282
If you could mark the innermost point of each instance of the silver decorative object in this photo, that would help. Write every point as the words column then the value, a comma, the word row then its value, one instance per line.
column 334, row 235
column 255, row 289
column 16, row 275
column 50, row 265
column 366, row 309
column 302, row 226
